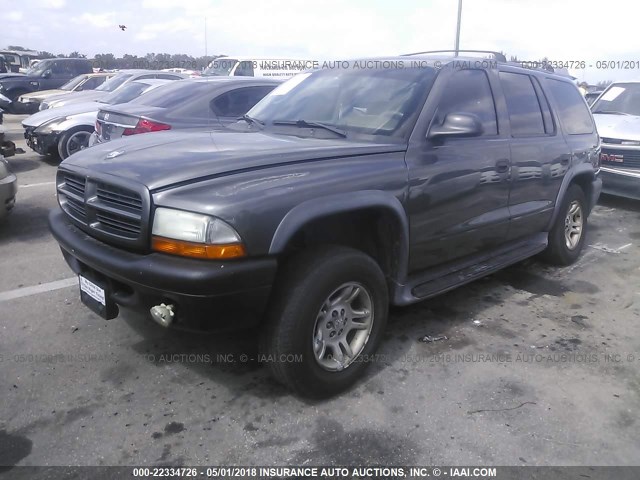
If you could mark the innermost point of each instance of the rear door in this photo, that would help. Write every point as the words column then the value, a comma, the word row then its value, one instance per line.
column 458, row 187
column 540, row 156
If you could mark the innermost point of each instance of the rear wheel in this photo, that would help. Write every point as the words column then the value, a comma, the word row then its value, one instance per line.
column 74, row 140
column 328, row 313
column 566, row 238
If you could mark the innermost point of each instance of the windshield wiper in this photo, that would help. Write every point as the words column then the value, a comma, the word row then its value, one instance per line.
column 306, row 124
column 611, row 112
column 251, row 120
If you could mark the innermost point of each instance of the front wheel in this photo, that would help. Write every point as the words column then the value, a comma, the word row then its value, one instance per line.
column 326, row 319
column 566, row 238
column 74, row 140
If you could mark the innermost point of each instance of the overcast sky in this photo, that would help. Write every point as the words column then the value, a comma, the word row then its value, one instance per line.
column 330, row 29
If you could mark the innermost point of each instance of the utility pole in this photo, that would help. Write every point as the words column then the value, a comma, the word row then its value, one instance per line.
column 457, row 47
column 205, row 37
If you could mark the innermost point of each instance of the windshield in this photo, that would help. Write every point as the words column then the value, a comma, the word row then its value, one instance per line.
column 38, row 69
column 220, row 67
column 114, row 82
column 126, row 93
column 371, row 101
column 174, row 94
column 73, row 83
column 621, row 98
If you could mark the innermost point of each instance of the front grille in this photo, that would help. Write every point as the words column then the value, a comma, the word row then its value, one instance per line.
column 630, row 158
column 111, row 212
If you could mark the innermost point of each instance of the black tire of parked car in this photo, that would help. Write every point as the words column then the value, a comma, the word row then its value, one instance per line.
column 557, row 252
column 63, row 143
column 303, row 285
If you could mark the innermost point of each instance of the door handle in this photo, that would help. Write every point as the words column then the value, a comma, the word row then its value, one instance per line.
column 502, row 166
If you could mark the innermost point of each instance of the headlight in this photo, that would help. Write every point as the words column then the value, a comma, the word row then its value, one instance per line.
column 50, row 126
column 194, row 235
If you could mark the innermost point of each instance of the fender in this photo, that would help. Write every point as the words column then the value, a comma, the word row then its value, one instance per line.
column 301, row 214
column 579, row 169
column 78, row 120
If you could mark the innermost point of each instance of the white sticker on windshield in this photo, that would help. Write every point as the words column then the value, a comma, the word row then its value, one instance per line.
column 612, row 94
column 289, row 85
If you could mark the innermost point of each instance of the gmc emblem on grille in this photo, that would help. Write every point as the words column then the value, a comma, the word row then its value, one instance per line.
column 610, row 157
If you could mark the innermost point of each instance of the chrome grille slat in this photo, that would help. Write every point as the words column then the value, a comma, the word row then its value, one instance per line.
column 631, row 158
column 108, row 211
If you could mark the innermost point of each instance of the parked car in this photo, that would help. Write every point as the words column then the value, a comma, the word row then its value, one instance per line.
column 18, row 61
column 47, row 74
column 189, row 104
column 118, row 81
column 66, row 130
column 337, row 194
column 591, row 97
column 8, row 180
column 30, row 102
column 617, row 115
column 281, row 68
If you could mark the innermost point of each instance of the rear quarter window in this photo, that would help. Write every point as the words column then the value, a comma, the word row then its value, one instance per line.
column 572, row 109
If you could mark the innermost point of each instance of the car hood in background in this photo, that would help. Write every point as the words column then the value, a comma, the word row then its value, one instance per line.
column 76, row 97
column 44, row 116
column 161, row 159
column 11, row 75
column 622, row 127
column 46, row 93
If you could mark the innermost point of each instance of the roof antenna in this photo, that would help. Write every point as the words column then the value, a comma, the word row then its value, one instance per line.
column 457, row 47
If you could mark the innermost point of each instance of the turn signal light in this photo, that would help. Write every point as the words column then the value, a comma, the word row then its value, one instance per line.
column 197, row 250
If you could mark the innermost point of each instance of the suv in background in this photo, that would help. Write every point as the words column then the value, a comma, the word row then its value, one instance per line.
column 45, row 75
column 341, row 192
column 617, row 115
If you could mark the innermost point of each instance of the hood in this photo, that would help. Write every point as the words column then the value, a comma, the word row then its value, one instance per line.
column 45, row 93
column 39, row 118
column 76, row 97
column 4, row 76
column 162, row 159
column 622, row 127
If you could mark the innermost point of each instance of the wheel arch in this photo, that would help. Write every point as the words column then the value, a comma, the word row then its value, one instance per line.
column 584, row 176
column 372, row 221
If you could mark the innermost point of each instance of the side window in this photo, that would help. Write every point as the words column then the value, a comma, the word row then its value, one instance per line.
column 92, row 83
column 244, row 69
column 147, row 77
column 572, row 109
column 238, row 102
column 57, row 68
column 549, row 125
column 468, row 91
column 525, row 114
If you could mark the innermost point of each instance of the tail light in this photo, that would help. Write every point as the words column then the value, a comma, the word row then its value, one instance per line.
column 146, row 126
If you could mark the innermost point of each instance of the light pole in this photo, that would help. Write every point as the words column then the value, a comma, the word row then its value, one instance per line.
column 457, row 47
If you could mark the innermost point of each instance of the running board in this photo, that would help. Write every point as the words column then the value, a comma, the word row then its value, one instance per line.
column 441, row 279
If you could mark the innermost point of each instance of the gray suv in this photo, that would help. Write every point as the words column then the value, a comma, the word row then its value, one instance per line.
column 340, row 193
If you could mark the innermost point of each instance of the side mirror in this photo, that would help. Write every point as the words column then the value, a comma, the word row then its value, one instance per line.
column 457, row 125
column 46, row 74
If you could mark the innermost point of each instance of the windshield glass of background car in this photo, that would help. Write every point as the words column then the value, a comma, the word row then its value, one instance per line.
column 113, row 83
column 126, row 93
column 73, row 83
column 368, row 101
column 39, row 68
column 621, row 97
column 221, row 66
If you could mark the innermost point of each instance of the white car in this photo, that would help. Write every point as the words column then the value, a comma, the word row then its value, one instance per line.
column 66, row 130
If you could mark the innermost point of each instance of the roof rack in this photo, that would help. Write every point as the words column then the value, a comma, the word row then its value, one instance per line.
column 499, row 56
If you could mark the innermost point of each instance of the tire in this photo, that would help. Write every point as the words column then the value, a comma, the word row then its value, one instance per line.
column 565, row 249
column 74, row 140
column 305, row 286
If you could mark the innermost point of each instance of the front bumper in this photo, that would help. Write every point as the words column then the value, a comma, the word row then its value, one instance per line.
column 207, row 295
column 623, row 183
column 42, row 143
column 8, row 191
